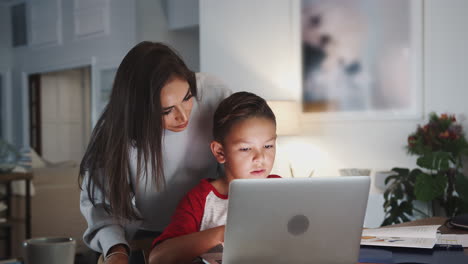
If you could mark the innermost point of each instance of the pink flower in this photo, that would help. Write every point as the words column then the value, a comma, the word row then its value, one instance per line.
column 411, row 141
column 444, row 134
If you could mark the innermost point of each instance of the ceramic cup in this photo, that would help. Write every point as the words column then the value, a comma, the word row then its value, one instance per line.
column 380, row 177
column 354, row 172
column 49, row 250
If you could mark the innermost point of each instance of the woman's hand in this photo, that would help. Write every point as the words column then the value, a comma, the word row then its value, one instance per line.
column 116, row 259
column 117, row 254
column 185, row 248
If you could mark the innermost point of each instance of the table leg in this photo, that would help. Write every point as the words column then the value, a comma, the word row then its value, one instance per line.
column 9, row 217
column 28, row 209
column 8, row 244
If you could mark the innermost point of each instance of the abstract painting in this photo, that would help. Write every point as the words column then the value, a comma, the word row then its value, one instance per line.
column 361, row 56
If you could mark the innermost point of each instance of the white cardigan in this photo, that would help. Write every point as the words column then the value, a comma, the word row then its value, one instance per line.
column 187, row 159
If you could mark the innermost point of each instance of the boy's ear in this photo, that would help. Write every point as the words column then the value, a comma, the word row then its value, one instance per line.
column 218, row 151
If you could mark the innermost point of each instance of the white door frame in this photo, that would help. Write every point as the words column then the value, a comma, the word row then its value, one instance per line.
column 89, row 62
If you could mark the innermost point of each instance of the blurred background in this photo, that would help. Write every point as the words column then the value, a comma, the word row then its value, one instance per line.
column 58, row 59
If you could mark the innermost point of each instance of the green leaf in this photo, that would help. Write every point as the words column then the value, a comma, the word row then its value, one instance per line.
column 386, row 222
column 443, row 161
column 407, row 208
column 429, row 187
column 386, row 193
column 461, row 186
column 402, row 172
column 398, row 202
column 434, row 161
column 413, row 174
column 399, row 193
column 389, row 178
column 426, row 161
column 463, row 207
column 404, row 218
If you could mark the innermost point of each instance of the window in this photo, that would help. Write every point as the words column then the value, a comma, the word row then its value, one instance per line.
column 18, row 24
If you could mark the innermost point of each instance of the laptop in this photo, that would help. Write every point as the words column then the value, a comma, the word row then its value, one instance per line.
column 295, row 220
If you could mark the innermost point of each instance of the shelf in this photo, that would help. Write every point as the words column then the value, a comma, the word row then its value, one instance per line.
column 15, row 176
column 11, row 222
column 8, row 226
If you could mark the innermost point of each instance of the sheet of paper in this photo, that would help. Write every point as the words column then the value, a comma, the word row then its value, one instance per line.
column 429, row 231
column 400, row 242
column 449, row 239
column 414, row 236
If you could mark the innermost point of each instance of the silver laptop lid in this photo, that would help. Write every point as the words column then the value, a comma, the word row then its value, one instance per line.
column 301, row 220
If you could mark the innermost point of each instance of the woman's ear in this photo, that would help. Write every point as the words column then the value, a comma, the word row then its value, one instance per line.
column 218, row 151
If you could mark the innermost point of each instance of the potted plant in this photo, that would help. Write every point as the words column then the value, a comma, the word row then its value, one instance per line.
column 440, row 145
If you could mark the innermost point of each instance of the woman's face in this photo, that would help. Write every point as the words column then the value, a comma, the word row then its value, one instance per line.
column 176, row 104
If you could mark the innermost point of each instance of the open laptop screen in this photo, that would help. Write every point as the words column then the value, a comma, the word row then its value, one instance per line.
column 300, row 220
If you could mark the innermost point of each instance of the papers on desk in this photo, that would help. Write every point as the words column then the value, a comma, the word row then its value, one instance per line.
column 452, row 239
column 412, row 237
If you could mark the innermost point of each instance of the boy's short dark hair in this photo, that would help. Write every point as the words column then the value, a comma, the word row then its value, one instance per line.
column 239, row 106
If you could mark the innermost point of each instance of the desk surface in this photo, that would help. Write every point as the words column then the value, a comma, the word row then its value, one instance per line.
column 143, row 244
column 433, row 221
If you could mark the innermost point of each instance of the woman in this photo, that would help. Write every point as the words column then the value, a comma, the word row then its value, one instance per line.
column 149, row 147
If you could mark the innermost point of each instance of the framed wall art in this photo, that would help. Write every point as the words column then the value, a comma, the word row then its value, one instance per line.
column 362, row 58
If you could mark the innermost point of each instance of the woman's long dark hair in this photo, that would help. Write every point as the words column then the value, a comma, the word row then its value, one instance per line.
column 132, row 118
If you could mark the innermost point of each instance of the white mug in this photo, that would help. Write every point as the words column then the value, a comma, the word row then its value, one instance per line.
column 380, row 177
column 49, row 250
column 354, row 172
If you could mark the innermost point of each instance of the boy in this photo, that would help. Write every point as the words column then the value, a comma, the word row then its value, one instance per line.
column 244, row 131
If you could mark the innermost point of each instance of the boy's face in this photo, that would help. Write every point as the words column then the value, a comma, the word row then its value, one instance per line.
column 249, row 150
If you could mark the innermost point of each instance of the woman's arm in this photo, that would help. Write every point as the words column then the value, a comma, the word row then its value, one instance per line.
column 184, row 249
column 103, row 233
column 182, row 240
